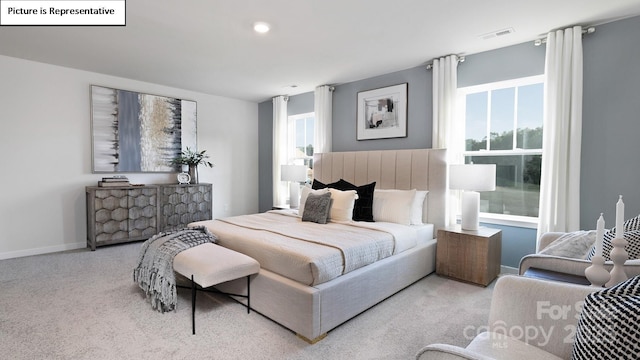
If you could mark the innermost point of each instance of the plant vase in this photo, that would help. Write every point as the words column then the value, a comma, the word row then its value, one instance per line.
column 193, row 173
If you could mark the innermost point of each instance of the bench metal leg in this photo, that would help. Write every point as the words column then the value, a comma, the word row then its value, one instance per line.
column 193, row 306
column 194, row 290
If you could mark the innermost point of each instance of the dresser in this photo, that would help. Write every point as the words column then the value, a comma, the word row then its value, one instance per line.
column 132, row 213
column 183, row 204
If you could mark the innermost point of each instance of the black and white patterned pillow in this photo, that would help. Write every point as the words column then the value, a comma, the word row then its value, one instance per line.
column 631, row 234
column 609, row 325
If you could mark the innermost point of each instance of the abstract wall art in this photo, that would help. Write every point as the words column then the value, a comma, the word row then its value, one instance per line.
column 137, row 132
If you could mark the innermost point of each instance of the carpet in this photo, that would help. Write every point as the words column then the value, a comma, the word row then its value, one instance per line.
column 84, row 305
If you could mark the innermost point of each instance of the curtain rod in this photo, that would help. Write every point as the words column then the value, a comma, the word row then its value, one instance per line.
column 460, row 59
column 589, row 30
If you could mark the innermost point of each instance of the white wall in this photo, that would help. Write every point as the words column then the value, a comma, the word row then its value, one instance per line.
column 45, row 153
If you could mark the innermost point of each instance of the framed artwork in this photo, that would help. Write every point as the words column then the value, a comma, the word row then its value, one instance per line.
column 136, row 132
column 382, row 113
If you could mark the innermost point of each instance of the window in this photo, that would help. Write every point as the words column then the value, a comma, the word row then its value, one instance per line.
column 503, row 126
column 300, row 143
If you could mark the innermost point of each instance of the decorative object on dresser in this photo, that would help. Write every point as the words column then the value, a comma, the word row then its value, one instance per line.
column 191, row 158
column 114, row 181
column 471, row 256
column 472, row 178
column 137, row 132
column 127, row 213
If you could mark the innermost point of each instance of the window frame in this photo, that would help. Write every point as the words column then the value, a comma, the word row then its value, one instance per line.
column 291, row 139
column 462, row 92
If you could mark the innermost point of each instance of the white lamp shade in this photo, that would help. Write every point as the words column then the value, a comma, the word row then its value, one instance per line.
column 476, row 177
column 293, row 173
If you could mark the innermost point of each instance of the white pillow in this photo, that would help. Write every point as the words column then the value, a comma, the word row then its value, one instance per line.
column 343, row 203
column 393, row 205
column 418, row 205
column 305, row 193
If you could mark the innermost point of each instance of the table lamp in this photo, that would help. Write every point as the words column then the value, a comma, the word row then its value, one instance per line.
column 295, row 174
column 471, row 178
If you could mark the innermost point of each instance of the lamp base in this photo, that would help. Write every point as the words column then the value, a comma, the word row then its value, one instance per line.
column 294, row 195
column 470, row 210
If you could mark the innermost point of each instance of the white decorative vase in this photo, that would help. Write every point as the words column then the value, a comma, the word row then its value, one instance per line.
column 596, row 273
column 619, row 256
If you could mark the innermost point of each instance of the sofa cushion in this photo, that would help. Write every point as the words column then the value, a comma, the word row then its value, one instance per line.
column 609, row 323
column 575, row 245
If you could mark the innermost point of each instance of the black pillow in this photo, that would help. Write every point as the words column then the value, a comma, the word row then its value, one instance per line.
column 316, row 208
column 363, row 207
column 317, row 185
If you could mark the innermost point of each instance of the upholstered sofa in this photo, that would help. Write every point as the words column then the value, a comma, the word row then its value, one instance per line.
column 529, row 319
column 568, row 265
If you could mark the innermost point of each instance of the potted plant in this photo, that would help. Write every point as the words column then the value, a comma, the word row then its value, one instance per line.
column 192, row 158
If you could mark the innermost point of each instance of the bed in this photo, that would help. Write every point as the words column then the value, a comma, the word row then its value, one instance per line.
column 310, row 302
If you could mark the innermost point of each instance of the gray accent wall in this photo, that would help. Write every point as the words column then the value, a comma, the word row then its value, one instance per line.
column 265, row 155
column 418, row 112
column 611, row 120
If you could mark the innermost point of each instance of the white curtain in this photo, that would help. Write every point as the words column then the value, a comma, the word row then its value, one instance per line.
column 280, row 189
column 448, row 128
column 562, row 134
column 323, row 107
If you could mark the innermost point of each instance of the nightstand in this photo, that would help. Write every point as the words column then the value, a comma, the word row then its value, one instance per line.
column 280, row 207
column 470, row 256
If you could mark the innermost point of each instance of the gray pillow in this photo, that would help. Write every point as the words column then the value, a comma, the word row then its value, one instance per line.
column 575, row 245
column 316, row 208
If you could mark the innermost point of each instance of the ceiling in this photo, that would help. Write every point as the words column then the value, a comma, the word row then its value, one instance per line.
column 210, row 46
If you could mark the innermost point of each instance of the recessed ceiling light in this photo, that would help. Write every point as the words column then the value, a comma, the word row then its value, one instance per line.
column 261, row 27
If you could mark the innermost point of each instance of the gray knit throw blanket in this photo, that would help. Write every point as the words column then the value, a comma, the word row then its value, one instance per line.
column 154, row 272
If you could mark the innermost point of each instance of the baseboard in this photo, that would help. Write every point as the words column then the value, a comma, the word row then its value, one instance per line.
column 42, row 250
column 508, row 270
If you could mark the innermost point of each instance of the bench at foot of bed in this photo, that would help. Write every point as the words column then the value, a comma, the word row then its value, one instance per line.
column 208, row 265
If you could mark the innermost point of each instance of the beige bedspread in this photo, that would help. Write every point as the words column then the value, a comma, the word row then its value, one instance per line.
column 307, row 252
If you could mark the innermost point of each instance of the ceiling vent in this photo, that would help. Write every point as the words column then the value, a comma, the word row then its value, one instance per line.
column 497, row 33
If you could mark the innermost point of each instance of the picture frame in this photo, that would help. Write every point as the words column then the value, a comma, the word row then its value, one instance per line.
column 382, row 113
column 135, row 132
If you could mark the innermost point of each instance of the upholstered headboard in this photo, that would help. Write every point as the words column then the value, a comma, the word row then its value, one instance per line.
column 421, row 169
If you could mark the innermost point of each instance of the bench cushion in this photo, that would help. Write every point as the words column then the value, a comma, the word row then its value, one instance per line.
column 213, row 264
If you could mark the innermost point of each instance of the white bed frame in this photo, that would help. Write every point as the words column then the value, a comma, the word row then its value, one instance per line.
column 312, row 311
